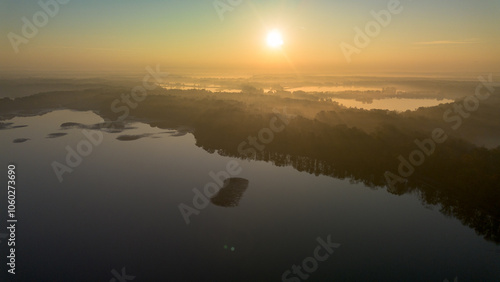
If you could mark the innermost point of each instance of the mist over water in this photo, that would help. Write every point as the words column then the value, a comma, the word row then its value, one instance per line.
column 229, row 140
column 195, row 179
column 131, row 187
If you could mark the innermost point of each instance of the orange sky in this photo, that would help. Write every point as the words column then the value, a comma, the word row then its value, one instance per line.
column 421, row 36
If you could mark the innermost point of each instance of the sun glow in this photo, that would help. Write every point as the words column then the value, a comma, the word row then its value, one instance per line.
column 274, row 39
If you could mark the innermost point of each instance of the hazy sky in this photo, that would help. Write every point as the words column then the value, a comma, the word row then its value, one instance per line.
column 426, row 36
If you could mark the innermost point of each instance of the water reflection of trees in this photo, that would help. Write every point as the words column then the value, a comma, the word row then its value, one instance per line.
column 231, row 192
column 463, row 179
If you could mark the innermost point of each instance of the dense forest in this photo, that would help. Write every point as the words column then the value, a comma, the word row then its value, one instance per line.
column 459, row 174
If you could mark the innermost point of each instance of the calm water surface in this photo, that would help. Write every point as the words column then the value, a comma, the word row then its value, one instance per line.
column 392, row 104
column 120, row 208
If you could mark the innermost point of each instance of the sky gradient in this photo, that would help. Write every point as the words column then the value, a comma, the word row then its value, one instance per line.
column 426, row 36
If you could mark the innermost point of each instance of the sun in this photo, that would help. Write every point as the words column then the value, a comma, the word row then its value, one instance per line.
column 274, row 39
